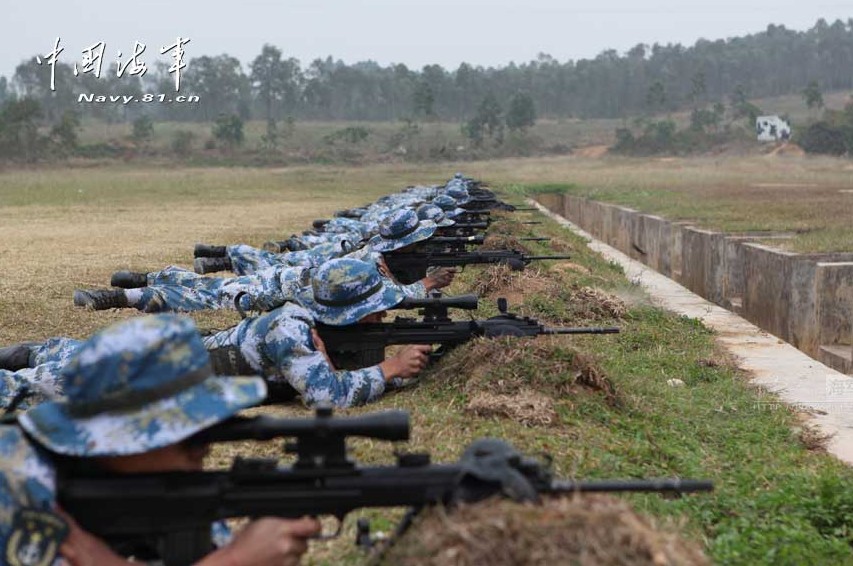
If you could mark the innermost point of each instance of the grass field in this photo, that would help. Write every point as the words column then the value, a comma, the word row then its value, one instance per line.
column 779, row 500
column 811, row 197
column 307, row 141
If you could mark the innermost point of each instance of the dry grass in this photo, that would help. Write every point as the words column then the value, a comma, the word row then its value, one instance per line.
column 500, row 280
column 503, row 242
column 525, row 406
column 506, row 367
column 782, row 192
column 587, row 303
column 582, row 530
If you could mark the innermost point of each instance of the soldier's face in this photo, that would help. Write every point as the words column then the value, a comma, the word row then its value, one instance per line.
column 404, row 249
column 374, row 317
column 181, row 457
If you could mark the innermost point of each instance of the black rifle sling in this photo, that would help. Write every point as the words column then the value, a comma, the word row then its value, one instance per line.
column 228, row 360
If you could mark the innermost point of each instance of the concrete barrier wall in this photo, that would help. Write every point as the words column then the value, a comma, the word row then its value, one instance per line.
column 835, row 302
column 804, row 299
column 766, row 293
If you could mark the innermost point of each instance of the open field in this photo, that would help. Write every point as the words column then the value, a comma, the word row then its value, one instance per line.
column 809, row 196
column 307, row 141
column 779, row 500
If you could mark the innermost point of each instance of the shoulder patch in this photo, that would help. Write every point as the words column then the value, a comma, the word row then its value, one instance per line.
column 35, row 538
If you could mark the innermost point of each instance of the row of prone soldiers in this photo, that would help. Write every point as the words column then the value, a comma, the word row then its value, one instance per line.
column 130, row 399
column 340, row 278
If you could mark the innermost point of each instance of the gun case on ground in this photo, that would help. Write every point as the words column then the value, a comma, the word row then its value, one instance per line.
column 169, row 515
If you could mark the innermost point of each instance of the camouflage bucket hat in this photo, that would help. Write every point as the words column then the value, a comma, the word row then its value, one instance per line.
column 135, row 386
column 343, row 291
column 458, row 193
column 401, row 229
column 448, row 205
column 346, row 225
column 435, row 215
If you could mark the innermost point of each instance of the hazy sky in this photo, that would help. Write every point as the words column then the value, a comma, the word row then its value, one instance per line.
column 414, row 32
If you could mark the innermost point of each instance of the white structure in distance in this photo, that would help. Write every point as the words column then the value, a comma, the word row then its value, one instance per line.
column 772, row 128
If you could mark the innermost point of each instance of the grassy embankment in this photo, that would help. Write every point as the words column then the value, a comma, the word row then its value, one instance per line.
column 777, row 501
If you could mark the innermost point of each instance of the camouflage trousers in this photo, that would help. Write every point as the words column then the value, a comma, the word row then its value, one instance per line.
column 41, row 381
column 178, row 290
column 247, row 260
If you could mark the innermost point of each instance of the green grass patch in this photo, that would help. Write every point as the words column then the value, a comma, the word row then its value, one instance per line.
column 776, row 502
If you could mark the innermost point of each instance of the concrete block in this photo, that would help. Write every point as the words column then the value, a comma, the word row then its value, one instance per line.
column 767, row 272
column 551, row 201
column 652, row 242
column 703, row 262
column 624, row 228
column 676, row 248
column 639, row 249
column 834, row 290
column 839, row 358
column 595, row 217
column 573, row 204
column 733, row 283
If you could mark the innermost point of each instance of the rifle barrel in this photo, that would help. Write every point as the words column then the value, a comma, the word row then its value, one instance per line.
column 583, row 330
column 536, row 257
column 656, row 484
column 534, row 239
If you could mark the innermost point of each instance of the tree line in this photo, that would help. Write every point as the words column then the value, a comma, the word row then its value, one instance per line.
column 643, row 80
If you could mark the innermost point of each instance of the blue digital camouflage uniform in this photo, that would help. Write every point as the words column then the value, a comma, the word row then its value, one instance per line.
column 247, row 260
column 41, row 381
column 280, row 347
column 448, row 205
column 28, row 387
column 27, row 490
column 458, row 192
column 139, row 385
column 401, row 227
column 434, row 214
column 179, row 290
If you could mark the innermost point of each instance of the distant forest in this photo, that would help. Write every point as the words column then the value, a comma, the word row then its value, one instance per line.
column 646, row 79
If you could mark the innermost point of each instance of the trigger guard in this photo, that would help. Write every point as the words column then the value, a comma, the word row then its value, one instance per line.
column 331, row 536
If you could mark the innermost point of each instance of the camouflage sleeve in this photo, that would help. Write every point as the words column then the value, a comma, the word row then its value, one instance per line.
column 54, row 350
column 292, row 348
column 30, row 386
column 415, row 290
column 29, row 532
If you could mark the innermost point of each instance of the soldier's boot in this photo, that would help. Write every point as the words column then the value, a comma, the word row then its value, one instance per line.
column 274, row 247
column 203, row 265
column 15, row 357
column 100, row 299
column 129, row 279
column 205, row 250
column 292, row 244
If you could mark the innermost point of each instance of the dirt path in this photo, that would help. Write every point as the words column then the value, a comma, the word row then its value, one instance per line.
column 802, row 383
